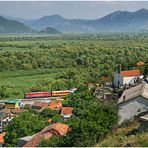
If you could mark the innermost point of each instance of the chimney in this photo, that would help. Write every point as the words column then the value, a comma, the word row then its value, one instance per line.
column 119, row 68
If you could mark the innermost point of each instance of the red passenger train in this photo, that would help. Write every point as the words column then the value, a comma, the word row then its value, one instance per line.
column 47, row 94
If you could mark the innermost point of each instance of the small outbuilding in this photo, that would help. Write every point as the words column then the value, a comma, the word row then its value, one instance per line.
column 12, row 104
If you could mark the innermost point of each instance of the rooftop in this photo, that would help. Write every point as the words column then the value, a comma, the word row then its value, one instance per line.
column 2, row 137
column 140, row 63
column 12, row 102
column 40, row 104
column 57, row 129
column 130, row 73
column 14, row 111
column 133, row 92
column 55, row 104
column 67, row 110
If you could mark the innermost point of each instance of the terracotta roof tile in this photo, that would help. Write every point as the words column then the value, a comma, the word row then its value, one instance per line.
column 18, row 110
column 57, row 129
column 49, row 120
column 55, row 104
column 67, row 110
column 140, row 63
column 2, row 137
column 40, row 104
column 130, row 73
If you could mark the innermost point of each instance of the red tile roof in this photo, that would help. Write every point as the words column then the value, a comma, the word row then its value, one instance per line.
column 2, row 137
column 49, row 120
column 15, row 111
column 55, row 104
column 57, row 129
column 140, row 63
column 40, row 104
column 130, row 73
column 67, row 110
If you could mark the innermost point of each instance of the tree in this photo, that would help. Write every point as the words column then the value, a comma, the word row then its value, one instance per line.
column 48, row 113
column 26, row 124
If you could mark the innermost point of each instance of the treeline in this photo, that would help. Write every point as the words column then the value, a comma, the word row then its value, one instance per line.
column 104, row 55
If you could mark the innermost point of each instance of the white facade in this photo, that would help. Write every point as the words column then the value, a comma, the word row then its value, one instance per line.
column 66, row 115
column 131, row 108
column 119, row 80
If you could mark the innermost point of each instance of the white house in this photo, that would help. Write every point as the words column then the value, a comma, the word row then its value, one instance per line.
column 125, row 77
column 133, row 102
column 66, row 112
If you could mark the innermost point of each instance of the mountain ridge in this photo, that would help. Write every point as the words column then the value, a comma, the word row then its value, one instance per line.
column 118, row 21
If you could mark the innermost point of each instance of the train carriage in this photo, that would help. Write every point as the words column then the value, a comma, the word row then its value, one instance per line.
column 38, row 94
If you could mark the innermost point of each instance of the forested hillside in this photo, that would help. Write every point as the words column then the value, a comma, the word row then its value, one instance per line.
column 10, row 26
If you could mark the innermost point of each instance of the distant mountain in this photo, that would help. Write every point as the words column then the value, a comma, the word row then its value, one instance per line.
column 50, row 30
column 11, row 26
column 123, row 21
column 119, row 21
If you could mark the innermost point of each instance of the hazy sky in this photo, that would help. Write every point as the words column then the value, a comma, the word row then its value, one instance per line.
column 68, row 9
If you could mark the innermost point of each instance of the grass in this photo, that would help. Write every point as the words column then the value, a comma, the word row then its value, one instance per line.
column 124, row 137
column 22, row 80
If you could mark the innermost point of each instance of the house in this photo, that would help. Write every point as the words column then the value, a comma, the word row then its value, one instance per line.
column 126, row 77
column 2, row 135
column 66, row 112
column 133, row 102
column 56, row 129
column 12, row 104
column 39, row 105
column 55, row 104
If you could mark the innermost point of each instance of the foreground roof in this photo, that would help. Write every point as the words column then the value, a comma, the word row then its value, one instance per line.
column 133, row 92
column 57, row 129
column 130, row 73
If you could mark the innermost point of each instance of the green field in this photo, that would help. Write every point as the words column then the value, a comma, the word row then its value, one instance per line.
column 25, row 60
column 20, row 81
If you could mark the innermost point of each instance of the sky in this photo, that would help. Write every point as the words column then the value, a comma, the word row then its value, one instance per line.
column 67, row 9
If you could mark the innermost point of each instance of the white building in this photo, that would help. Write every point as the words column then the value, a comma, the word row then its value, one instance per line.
column 125, row 77
column 133, row 102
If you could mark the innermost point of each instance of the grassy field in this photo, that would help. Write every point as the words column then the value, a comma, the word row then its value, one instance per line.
column 124, row 137
column 21, row 81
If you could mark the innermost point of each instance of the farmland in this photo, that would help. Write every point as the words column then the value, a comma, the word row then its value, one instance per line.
column 27, row 60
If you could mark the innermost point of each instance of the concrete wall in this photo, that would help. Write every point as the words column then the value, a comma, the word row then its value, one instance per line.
column 131, row 108
column 118, row 78
column 122, row 80
column 127, row 80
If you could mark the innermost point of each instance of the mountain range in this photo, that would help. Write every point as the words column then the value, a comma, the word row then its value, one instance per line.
column 118, row 21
